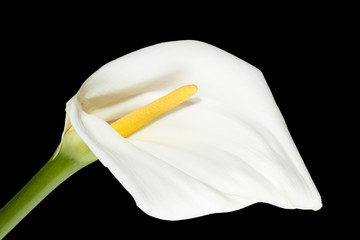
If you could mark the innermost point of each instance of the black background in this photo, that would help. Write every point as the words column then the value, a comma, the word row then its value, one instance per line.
column 46, row 56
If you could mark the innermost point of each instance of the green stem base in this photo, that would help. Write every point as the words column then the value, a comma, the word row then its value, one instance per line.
column 60, row 167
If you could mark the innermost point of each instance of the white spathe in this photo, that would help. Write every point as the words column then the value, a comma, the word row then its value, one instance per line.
column 224, row 149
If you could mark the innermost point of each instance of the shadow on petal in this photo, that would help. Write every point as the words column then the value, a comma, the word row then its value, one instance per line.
column 115, row 96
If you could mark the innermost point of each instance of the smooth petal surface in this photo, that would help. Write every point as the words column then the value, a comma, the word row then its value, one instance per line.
column 224, row 149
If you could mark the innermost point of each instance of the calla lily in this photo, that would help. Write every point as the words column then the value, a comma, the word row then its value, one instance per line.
column 224, row 149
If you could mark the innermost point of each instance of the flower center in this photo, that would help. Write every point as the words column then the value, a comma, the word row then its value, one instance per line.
column 133, row 121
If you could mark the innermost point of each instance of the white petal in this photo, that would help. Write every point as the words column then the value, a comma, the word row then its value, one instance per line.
column 224, row 149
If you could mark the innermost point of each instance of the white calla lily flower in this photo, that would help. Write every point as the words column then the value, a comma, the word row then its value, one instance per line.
column 224, row 149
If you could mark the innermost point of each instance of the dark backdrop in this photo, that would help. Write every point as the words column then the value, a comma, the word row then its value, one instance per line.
column 46, row 56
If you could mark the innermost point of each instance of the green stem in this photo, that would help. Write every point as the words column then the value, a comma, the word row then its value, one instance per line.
column 60, row 167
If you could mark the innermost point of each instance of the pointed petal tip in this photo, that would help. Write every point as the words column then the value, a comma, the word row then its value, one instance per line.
column 318, row 206
column 314, row 205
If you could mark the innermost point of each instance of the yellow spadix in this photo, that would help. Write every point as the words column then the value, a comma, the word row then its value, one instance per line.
column 133, row 121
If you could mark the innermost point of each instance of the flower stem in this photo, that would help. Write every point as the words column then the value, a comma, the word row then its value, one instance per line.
column 73, row 155
column 54, row 172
